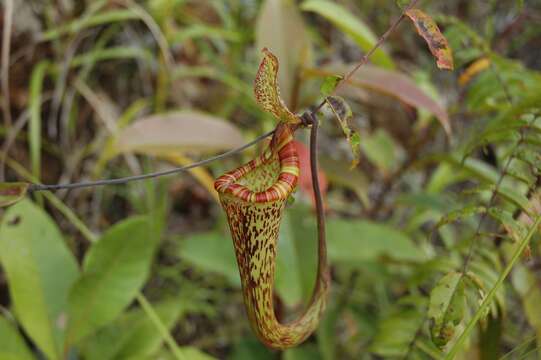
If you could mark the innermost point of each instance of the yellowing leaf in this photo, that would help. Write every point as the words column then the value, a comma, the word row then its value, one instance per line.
column 427, row 28
column 10, row 193
column 446, row 308
column 164, row 134
column 267, row 93
column 475, row 68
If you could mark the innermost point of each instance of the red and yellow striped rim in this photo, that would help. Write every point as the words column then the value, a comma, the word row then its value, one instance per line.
column 281, row 143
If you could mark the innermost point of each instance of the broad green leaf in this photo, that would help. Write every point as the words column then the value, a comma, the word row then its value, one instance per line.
column 276, row 23
column 211, row 251
column 351, row 25
column 132, row 335
column 357, row 241
column 303, row 352
column 114, row 270
column 250, row 349
column 446, row 307
column 12, row 345
column 397, row 330
column 40, row 271
column 339, row 173
column 175, row 132
column 10, row 193
column 380, row 148
column 427, row 28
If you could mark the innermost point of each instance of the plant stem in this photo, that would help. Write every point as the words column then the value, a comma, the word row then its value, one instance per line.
column 488, row 299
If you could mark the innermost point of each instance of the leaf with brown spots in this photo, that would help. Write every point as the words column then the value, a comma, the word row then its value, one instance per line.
column 428, row 29
column 10, row 193
column 267, row 93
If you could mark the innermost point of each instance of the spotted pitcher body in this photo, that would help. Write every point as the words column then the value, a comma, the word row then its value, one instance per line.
column 254, row 197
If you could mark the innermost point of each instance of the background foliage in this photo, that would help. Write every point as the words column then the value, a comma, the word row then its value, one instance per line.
column 433, row 239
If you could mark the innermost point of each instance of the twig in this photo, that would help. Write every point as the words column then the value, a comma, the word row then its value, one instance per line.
column 42, row 187
column 366, row 57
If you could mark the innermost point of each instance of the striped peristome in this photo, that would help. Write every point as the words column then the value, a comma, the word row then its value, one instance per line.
column 254, row 197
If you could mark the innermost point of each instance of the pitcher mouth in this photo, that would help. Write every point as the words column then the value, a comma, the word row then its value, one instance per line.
column 281, row 150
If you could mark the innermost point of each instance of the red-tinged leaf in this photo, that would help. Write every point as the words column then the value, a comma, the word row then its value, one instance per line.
column 267, row 93
column 305, row 177
column 395, row 84
column 10, row 193
column 428, row 29
column 177, row 132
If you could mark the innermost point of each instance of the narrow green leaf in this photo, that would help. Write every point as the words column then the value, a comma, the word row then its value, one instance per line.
column 329, row 84
column 115, row 268
column 350, row 25
column 519, row 249
column 446, row 307
column 40, row 270
column 34, row 131
column 10, row 193
column 460, row 214
column 12, row 346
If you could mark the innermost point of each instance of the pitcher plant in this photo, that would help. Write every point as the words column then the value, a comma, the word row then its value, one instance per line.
column 254, row 197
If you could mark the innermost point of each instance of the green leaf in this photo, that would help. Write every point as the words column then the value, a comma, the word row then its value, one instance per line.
column 380, row 148
column 329, row 84
column 397, row 330
column 514, row 228
column 10, row 193
column 250, row 349
column 211, row 251
column 303, row 352
column 12, row 346
column 525, row 282
column 132, row 334
column 446, row 307
column 460, row 214
column 350, row 25
column 115, row 269
column 357, row 241
column 40, row 270
column 34, row 125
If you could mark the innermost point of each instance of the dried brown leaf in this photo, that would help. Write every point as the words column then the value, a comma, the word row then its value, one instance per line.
column 428, row 29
